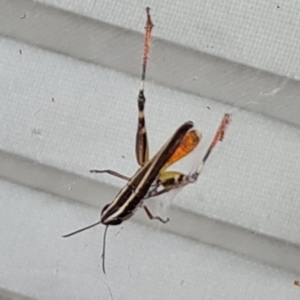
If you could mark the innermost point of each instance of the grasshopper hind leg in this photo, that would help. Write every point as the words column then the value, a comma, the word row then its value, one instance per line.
column 142, row 146
column 170, row 180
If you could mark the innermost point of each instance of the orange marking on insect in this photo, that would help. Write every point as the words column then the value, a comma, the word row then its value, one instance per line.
column 189, row 143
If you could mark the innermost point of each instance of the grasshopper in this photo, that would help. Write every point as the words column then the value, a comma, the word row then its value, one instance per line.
column 152, row 178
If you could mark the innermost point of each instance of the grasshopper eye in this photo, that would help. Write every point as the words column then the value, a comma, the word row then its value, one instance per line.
column 115, row 222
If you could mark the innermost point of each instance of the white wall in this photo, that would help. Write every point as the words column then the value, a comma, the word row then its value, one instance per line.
column 233, row 235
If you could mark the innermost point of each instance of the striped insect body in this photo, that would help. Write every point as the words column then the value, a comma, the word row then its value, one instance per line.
column 153, row 177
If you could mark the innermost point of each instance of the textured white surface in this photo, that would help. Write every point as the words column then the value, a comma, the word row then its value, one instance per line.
column 74, row 116
column 264, row 34
column 233, row 76
column 92, row 122
column 251, row 181
column 141, row 263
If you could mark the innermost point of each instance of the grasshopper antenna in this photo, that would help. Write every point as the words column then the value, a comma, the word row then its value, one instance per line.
column 82, row 229
column 104, row 239
column 103, row 249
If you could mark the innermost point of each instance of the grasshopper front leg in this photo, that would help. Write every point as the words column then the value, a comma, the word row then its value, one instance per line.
column 111, row 172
